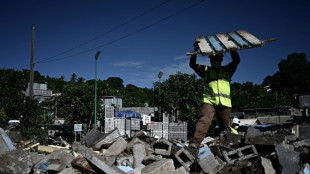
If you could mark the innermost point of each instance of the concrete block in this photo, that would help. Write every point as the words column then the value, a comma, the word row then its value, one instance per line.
column 83, row 165
column 267, row 165
column 288, row 159
column 252, row 132
column 180, row 170
column 239, row 154
column 68, row 171
column 107, row 138
column 95, row 159
column 151, row 158
column 16, row 161
column 59, row 160
column 139, row 153
column 117, row 147
column 163, row 166
column 5, row 142
column 302, row 143
column 228, row 138
column 92, row 136
column 184, row 158
column 305, row 169
column 163, row 147
column 207, row 161
column 124, row 160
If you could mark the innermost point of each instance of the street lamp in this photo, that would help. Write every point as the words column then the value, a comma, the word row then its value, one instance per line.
column 159, row 107
column 95, row 118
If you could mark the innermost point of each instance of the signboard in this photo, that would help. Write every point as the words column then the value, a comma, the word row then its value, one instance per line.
column 77, row 127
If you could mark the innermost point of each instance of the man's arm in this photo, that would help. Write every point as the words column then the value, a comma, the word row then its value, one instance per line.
column 199, row 69
column 232, row 66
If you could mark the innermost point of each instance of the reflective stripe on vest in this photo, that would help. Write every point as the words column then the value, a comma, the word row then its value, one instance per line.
column 234, row 131
column 217, row 87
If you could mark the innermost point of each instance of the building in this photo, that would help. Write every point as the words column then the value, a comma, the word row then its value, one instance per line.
column 40, row 92
column 112, row 101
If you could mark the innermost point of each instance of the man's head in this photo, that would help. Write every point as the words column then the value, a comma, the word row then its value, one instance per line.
column 216, row 60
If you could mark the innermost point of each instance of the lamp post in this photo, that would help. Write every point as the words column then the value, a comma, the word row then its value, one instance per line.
column 95, row 118
column 159, row 107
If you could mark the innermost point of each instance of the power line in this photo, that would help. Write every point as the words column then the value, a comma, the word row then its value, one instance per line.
column 109, row 31
column 125, row 36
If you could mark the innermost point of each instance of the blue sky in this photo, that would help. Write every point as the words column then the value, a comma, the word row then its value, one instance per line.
column 140, row 38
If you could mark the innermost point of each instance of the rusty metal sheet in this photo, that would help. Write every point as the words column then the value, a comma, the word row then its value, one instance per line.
column 227, row 42
column 250, row 38
column 238, row 39
column 204, row 46
column 218, row 48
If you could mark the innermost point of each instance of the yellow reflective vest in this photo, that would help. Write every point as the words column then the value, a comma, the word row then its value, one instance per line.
column 217, row 87
column 234, row 131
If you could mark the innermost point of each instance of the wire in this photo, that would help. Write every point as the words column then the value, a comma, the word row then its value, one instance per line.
column 109, row 31
column 123, row 37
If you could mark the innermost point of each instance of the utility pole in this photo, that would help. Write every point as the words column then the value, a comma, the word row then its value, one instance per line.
column 31, row 62
column 159, row 107
column 95, row 118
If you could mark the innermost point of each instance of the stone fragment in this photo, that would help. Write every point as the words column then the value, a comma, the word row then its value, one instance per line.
column 267, row 165
column 59, row 160
column 207, row 161
column 95, row 159
column 288, row 159
column 252, row 132
column 83, row 165
column 302, row 143
column 107, row 138
column 163, row 147
column 92, row 136
column 16, row 161
column 163, row 166
column 180, row 170
column 124, row 160
column 68, row 171
column 117, row 147
column 139, row 153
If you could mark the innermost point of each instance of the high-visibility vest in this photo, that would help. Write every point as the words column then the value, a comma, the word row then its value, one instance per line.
column 234, row 130
column 217, row 87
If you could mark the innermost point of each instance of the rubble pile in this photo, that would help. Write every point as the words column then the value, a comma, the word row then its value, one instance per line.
column 255, row 151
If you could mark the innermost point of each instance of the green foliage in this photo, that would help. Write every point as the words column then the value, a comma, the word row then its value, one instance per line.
column 293, row 75
column 183, row 93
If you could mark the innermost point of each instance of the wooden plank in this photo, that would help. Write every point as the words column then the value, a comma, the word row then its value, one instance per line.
column 204, row 45
column 218, row 48
column 32, row 146
column 229, row 45
column 239, row 40
column 250, row 38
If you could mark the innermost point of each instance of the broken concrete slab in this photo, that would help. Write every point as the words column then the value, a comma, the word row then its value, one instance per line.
column 151, row 158
column 267, row 165
column 117, row 147
column 252, row 132
column 239, row 154
column 228, row 138
column 16, row 161
column 180, row 170
column 288, row 159
column 207, row 161
column 5, row 142
column 184, row 158
column 163, row 166
column 95, row 159
column 302, row 143
column 139, row 153
column 83, row 165
column 59, row 160
column 92, row 136
column 107, row 138
column 162, row 147
column 124, row 160
column 68, row 171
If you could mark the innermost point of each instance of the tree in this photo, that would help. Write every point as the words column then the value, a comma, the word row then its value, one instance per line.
column 293, row 75
column 183, row 93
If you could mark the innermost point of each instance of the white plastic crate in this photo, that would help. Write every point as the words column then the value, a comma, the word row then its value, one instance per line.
column 108, row 124
column 120, row 124
column 135, row 123
column 109, row 112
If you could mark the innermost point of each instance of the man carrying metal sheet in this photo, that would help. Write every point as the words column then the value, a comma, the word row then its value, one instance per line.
column 216, row 96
